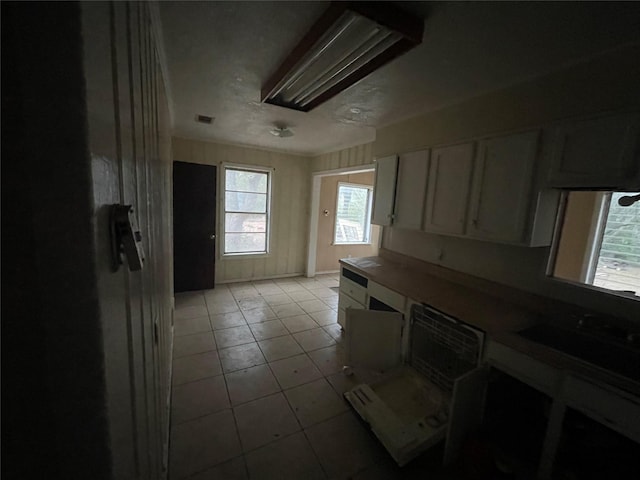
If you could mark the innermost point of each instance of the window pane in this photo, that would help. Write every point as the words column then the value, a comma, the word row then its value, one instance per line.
column 618, row 265
column 352, row 222
column 245, row 222
column 246, row 202
column 245, row 242
column 243, row 181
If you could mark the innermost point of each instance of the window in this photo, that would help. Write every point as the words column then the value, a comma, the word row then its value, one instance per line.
column 353, row 214
column 599, row 241
column 246, row 210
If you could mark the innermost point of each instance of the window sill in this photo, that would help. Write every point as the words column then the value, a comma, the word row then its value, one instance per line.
column 243, row 256
column 351, row 243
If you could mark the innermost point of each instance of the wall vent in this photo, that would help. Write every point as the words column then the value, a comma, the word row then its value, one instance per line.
column 207, row 120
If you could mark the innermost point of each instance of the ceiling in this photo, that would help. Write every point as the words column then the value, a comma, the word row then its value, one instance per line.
column 219, row 54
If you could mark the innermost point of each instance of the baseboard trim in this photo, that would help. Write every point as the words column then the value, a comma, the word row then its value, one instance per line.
column 252, row 279
column 327, row 271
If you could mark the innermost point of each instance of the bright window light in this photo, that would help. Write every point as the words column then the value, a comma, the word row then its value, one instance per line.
column 353, row 214
column 599, row 241
column 246, row 211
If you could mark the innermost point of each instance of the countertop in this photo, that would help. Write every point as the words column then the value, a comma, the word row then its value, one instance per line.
column 489, row 313
column 499, row 316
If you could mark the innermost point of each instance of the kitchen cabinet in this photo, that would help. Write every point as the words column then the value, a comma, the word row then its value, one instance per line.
column 596, row 153
column 358, row 292
column 482, row 190
column 411, row 187
column 385, row 190
column 448, row 189
column 611, row 407
column 501, row 190
column 353, row 294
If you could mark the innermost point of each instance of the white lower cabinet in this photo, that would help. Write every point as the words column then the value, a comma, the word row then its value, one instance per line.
column 606, row 405
column 353, row 294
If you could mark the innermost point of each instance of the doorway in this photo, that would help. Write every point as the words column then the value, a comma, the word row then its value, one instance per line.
column 340, row 223
column 194, row 226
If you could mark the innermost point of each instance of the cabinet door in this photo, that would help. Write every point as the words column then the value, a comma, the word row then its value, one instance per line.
column 373, row 339
column 384, row 190
column 602, row 152
column 410, row 189
column 501, row 190
column 448, row 189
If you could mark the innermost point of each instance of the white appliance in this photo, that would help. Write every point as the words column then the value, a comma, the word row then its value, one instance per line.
column 439, row 395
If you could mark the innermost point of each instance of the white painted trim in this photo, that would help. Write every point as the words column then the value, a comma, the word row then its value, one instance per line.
column 350, row 170
column 316, row 179
column 156, row 26
column 326, row 272
column 270, row 171
column 312, row 251
column 253, row 279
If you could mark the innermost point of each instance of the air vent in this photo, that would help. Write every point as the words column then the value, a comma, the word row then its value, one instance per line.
column 207, row 120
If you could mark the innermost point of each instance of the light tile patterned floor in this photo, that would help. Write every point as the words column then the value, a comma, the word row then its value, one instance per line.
column 257, row 387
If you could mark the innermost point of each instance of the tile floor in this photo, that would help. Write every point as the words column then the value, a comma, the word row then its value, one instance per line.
column 257, row 387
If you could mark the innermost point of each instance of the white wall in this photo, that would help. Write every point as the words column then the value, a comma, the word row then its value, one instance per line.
column 607, row 83
column 291, row 190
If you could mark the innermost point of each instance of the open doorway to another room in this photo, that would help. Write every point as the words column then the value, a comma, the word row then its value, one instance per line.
column 341, row 219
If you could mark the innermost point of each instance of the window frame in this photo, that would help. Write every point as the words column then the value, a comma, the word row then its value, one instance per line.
column 367, row 217
column 269, row 171
column 594, row 244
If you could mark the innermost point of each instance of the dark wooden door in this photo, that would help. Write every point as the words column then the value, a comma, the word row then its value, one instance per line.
column 194, row 226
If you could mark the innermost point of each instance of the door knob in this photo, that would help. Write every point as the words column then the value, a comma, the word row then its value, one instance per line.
column 212, row 236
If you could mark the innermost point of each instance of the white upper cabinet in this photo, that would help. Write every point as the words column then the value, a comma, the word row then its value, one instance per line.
column 410, row 189
column 598, row 153
column 384, row 190
column 448, row 189
column 501, row 189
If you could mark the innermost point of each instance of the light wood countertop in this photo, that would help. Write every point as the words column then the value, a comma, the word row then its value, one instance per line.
column 499, row 315
column 489, row 313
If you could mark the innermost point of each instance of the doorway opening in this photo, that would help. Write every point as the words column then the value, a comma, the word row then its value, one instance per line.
column 340, row 223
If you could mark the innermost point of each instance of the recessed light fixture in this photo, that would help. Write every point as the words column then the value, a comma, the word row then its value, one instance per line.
column 348, row 42
column 207, row 120
column 281, row 131
column 355, row 110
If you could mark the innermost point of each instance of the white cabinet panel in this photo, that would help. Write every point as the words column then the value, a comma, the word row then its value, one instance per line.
column 609, row 408
column 391, row 298
column 410, row 189
column 529, row 370
column 501, row 191
column 601, row 152
column 448, row 189
column 352, row 289
column 373, row 339
column 384, row 191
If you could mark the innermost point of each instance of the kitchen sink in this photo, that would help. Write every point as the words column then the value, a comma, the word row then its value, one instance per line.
column 611, row 355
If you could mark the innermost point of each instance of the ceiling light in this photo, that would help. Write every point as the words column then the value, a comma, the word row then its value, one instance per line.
column 348, row 42
column 282, row 132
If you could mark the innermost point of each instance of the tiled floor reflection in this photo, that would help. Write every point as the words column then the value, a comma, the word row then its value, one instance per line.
column 257, row 387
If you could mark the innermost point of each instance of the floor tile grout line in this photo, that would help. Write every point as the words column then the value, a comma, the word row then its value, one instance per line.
column 282, row 390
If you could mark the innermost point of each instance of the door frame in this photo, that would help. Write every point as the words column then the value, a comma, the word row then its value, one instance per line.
column 316, row 180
